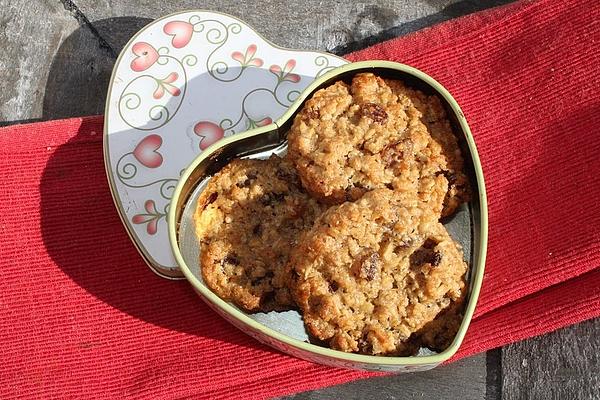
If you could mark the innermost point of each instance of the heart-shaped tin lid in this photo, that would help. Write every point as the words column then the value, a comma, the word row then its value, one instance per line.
column 182, row 83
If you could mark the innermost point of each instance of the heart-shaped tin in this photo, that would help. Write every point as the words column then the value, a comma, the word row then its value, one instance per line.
column 285, row 330
column 182, row 83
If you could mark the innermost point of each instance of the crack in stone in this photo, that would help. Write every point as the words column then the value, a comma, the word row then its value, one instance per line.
column 84, row 22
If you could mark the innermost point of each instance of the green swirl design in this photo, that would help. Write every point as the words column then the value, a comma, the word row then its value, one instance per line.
column 190, row 60
column 217, row 36
column 130, row 101
column 126, row 170
column 167, row 188
column 323, row 62
column 228, row 124
column 159, row 113
column 292, row 95
column 231, row 125
column 288, row 96
column 195, row 20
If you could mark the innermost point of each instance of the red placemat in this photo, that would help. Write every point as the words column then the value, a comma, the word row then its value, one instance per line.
column 82, row 316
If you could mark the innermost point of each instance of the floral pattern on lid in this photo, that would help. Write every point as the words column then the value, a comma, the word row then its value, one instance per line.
column 183, row 83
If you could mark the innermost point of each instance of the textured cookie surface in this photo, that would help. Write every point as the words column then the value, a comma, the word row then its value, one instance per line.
column 375, row 133
column 249, row 216
column 438, row 334
column 371, row 273
column 444, row 153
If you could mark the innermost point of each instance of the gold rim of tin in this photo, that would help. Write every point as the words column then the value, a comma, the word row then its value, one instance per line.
column 477, row 269
column 174, row 272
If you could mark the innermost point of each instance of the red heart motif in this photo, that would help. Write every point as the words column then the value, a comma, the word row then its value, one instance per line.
column 181, row 31
column 209, row 132
column 146, row 56
column 264, row 122
column 146, row 151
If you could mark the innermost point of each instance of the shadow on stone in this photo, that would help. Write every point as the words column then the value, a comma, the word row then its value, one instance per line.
column 78, row 78
column 454, row 10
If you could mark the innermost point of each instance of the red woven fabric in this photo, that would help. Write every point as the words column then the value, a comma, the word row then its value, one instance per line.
column 82, row 316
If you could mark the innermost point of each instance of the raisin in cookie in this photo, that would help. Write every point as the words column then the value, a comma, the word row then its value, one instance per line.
column 248, row 218
column 371, row 273
column 349, row 139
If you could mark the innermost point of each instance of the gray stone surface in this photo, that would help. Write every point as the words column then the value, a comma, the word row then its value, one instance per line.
column 333, row 25
column 299, row 24
column 56, row 58
column 27, row 54
column 561, row 365
column 465, row 378
column 51, row 67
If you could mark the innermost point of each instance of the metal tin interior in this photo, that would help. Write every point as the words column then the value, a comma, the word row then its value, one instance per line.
column 468, row 226
column 460, row 227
